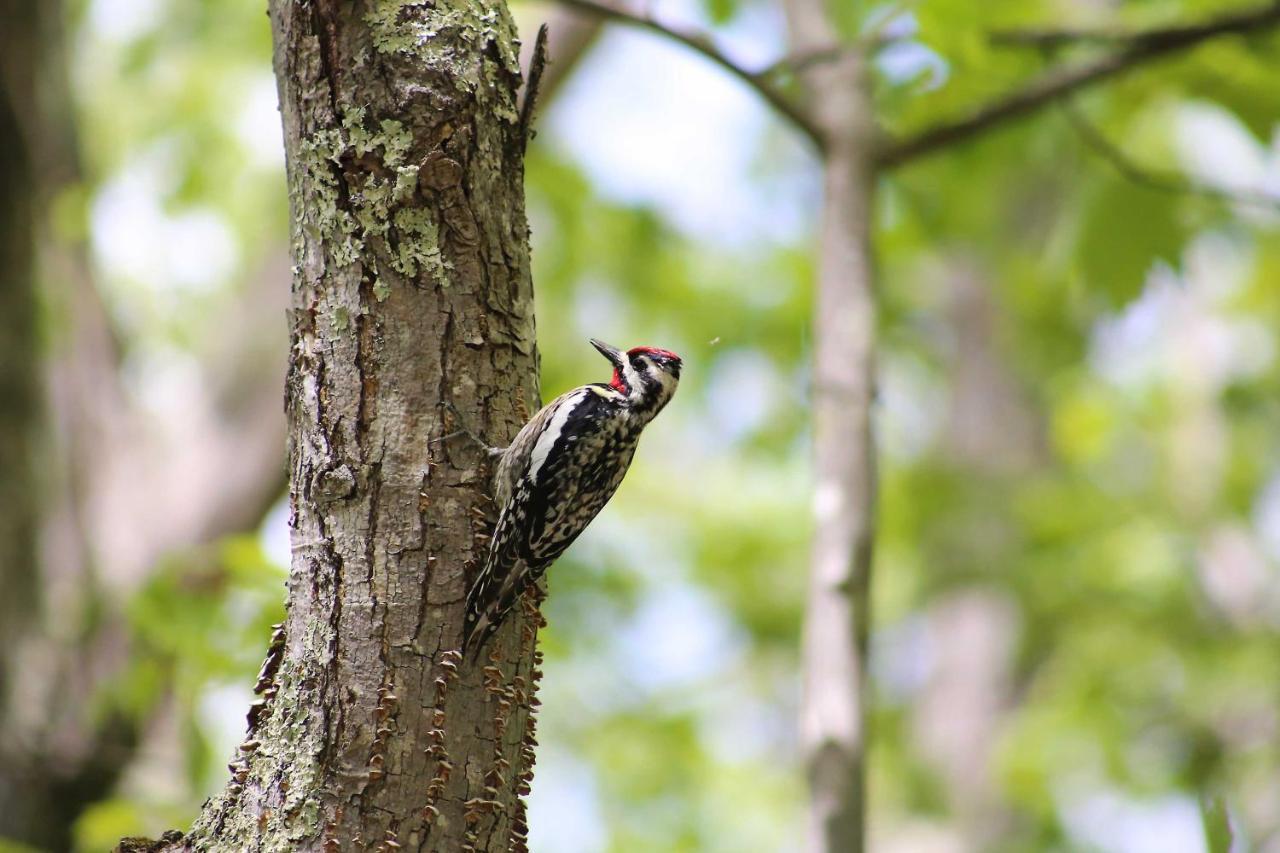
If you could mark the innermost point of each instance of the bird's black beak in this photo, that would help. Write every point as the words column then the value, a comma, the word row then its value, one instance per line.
column 615, row 355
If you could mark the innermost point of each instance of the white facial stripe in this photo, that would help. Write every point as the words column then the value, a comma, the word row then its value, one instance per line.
column 547, row 440
column 631, row 377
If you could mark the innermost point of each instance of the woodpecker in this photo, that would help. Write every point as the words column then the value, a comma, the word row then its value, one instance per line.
column 559, row 472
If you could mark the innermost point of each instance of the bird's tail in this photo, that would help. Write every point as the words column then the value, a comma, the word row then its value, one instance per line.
column 490, row 603
column 477, row 634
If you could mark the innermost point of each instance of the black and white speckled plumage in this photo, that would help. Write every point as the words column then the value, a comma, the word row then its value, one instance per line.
column 558, row 474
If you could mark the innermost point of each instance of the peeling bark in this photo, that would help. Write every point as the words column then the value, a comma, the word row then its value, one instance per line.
column 411, row 287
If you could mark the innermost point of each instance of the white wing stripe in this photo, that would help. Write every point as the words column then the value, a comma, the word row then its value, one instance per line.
column 551, row 434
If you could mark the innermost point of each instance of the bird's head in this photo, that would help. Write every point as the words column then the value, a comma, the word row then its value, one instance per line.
column 647, row 375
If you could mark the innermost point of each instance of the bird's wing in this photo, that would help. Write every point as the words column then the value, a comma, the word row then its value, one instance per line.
column 515, row 459
column 565, row 483
column 564, row 486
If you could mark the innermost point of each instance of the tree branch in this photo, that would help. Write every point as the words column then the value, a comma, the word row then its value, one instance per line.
column 1052, row 39
column 1049, row 39
column 702, row 43
column 1058, row 82
column 1170, row 182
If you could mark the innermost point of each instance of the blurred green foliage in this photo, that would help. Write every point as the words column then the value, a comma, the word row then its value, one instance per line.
column 1119, row 516
column 198, row 625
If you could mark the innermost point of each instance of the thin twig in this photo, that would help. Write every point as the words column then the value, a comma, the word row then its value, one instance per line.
column 1164, row 181
column 1062, row 81
column 701, row 43
column 795, row 62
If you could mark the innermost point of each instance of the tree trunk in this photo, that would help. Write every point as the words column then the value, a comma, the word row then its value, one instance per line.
column 411, row 286
column 19, row 362
column 29, row 810
column 833, row 714
column 833, row 717
column 93, row 488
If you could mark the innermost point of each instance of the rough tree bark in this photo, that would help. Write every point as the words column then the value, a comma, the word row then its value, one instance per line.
column 833, row 713
column 411, row 287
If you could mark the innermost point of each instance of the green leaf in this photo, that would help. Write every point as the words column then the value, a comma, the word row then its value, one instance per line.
column 720, row 11
column 1125, row 229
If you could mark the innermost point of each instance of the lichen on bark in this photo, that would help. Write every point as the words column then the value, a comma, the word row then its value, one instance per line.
column 411, row 287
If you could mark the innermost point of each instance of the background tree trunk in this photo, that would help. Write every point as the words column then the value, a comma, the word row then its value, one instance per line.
column 411, row 286
column 49, row 769
column 834, row 711
column 19, row 399
column 95, row 490
column 19, row 362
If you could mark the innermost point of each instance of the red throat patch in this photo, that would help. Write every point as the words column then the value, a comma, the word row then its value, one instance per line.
column 616, row 382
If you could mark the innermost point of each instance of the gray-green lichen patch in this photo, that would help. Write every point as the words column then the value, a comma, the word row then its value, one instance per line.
column 406, row 183
column 378, row 210
column 423, row 251
column 395, row 141
column 408, row 27
column 392, row 32
column 292, row 745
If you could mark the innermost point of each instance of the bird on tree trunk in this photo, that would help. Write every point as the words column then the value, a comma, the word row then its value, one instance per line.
column 559, row 472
